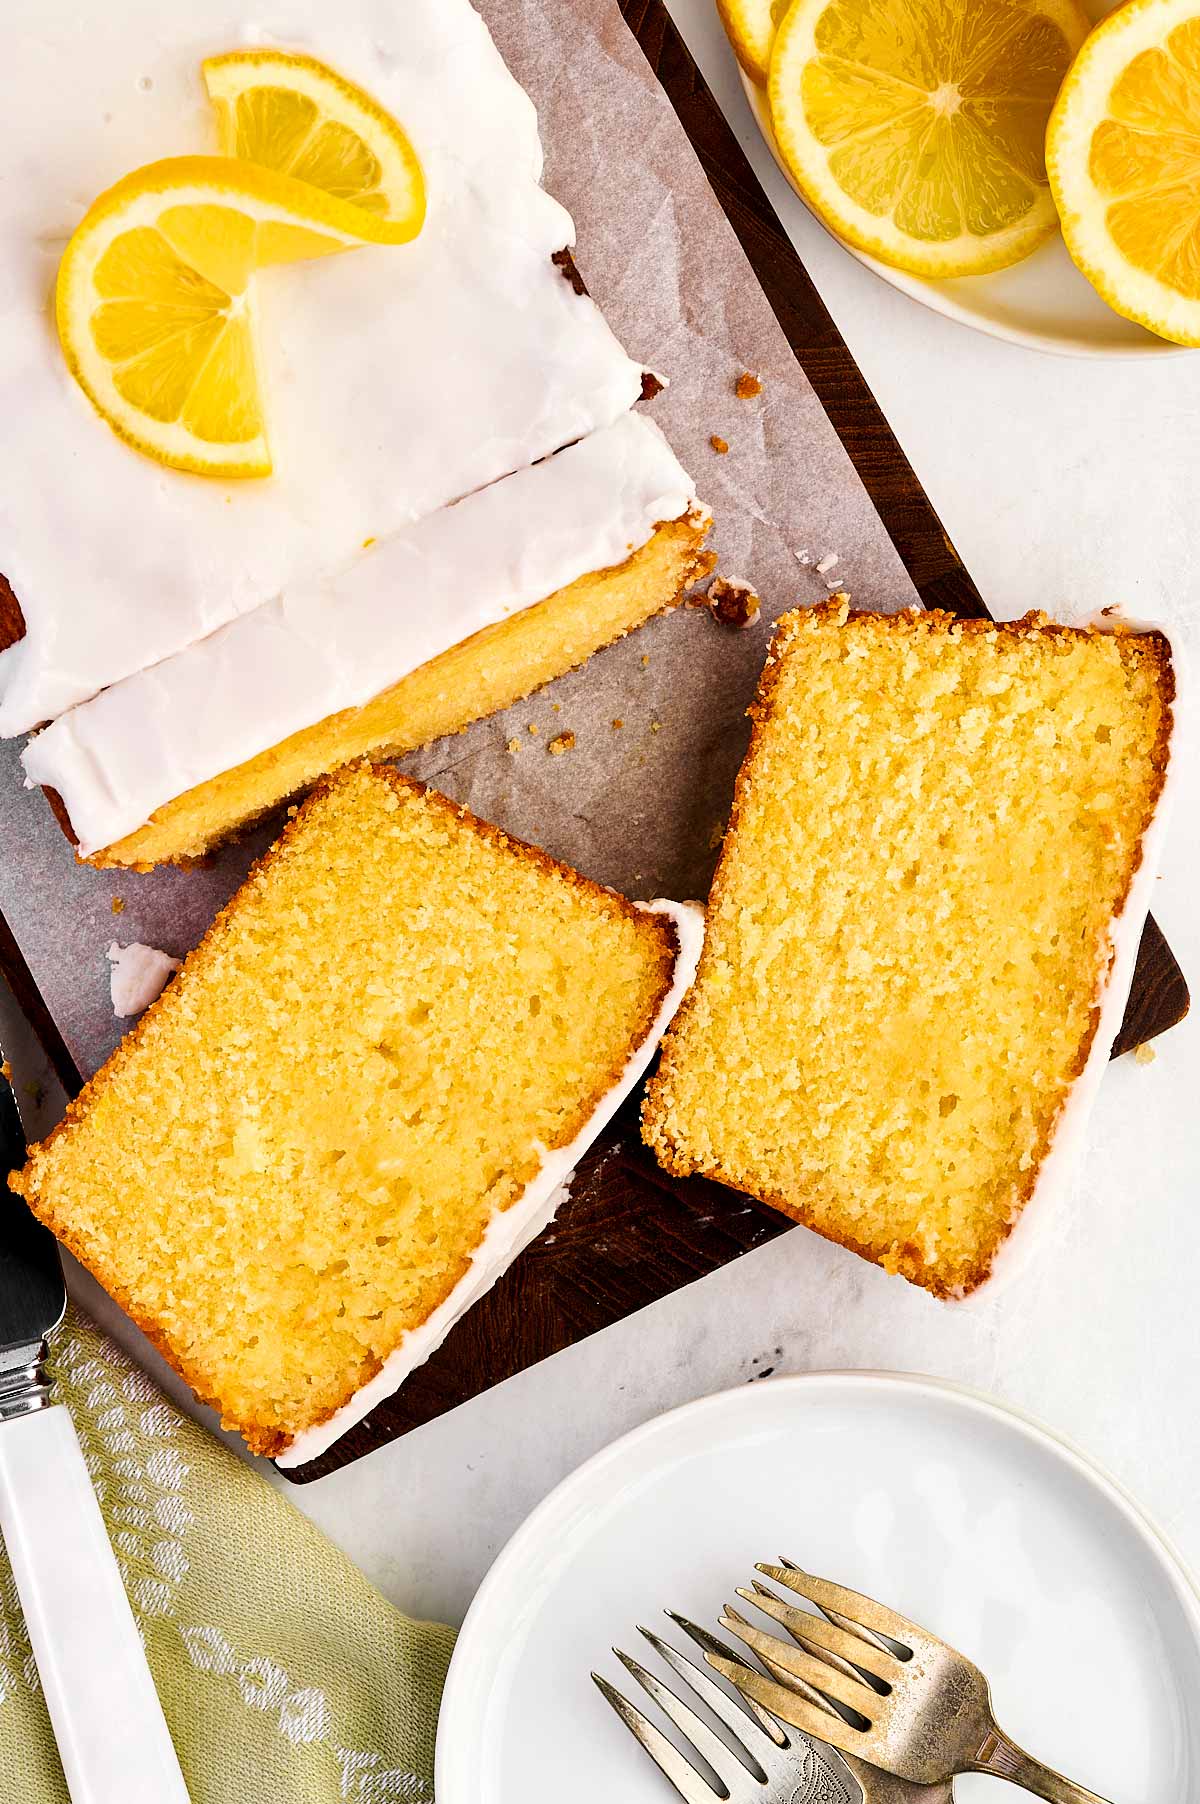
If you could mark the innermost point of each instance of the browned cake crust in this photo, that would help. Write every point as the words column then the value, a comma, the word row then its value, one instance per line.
column 656, row 932
column 681, row 1160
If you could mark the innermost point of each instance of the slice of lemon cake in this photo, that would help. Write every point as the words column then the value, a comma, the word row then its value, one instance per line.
column 922, row 928
column 356, row 1102
column 458, row 616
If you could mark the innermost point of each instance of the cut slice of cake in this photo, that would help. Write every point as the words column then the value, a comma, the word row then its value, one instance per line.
column 922, row 928
column 356, row 1102
column 458, row 616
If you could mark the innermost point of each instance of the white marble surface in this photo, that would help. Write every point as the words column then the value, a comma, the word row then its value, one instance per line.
column 1067, row 485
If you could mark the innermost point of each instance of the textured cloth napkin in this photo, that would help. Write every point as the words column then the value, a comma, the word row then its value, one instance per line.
column 283, row 1674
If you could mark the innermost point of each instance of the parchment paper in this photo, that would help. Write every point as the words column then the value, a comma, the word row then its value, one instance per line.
column 640, row 806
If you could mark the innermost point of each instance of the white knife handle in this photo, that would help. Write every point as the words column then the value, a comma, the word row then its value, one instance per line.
column 112, row 1737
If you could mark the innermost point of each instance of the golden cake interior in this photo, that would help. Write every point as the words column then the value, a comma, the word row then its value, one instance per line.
column 935, row 825
column 487, row 672
column 289, row 1162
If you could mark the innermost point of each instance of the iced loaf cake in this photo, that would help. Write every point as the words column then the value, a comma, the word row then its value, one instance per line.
column 401, row 380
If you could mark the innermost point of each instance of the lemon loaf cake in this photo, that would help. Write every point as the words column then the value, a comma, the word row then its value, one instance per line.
column 462, row 614
column 356, row 1102
column 401, row 380
column 922, row 928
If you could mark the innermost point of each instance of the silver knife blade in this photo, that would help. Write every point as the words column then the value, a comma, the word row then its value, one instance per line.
column 33, row 1296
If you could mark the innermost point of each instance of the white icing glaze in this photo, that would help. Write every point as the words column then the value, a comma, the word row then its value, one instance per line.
column 397, row 378
column 138, row 975
column 1043, row 1215
column 511, row 1230
column 118, row 757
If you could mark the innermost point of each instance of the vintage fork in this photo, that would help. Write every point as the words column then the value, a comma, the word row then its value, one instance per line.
column 765, row 1764
column 904, row 1700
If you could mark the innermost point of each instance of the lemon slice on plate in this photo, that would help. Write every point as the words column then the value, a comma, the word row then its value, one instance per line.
column 915, row 128
column 1123, row 152
column 750, row 26
column 156, row 309
column 293, row 114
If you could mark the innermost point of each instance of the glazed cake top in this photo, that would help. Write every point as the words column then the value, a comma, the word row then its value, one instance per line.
column 397, row 378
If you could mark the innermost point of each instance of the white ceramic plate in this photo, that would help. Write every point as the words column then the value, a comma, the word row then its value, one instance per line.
column 971, row 1520
column 1043, row 302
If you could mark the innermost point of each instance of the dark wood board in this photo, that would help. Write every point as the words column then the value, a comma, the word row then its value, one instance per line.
column 631, row 1235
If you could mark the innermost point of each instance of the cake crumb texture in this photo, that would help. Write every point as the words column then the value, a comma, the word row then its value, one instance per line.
column 289, row 1162
column 909, row 926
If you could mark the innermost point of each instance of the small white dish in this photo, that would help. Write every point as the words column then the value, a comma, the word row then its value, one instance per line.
column 978, row 1524
column 1043, row 302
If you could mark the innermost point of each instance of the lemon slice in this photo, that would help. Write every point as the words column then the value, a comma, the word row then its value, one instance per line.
column 1123, row 152
column 155, row 302
column 295, row 115
column 750, row 26
column 915, row 128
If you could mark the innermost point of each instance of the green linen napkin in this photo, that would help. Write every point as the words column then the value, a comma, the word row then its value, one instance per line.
column 283, row 1674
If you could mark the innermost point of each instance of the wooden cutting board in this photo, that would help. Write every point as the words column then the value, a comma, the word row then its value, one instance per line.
column 631, row 1235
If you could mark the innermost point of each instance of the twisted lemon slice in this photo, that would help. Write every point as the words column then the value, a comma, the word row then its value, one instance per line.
column 155, row 298
column 295, row 115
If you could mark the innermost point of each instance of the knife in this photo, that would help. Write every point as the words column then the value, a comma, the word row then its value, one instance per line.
column 112, row 1737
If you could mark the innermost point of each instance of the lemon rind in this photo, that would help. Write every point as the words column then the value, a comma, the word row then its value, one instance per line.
column 752, row 49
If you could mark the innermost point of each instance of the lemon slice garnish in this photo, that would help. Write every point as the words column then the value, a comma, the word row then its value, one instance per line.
column 293, row 114
column 915, row 129
column 155, row 301
column 1123, row 151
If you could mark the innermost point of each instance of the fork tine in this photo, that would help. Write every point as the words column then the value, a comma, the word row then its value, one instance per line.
column 712, row 1644
column 859, row 1611
column 741, row 1785
column 849, row 1653
column 785, row 1703
column 665, row 1755
column 797, row 1662
column 733, row 1712
column 885, row 1643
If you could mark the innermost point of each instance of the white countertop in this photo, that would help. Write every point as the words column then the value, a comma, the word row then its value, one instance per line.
column 1064, row 484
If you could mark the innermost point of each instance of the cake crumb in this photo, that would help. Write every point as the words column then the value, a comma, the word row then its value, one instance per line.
column 557, row 707
column 6, row 1072
column 514, row 746
column 645, row 660
column 367, row 543
column 734, row 601
column 827, row 562
column 118, row 905
column 617, row 725
column 1144, row 1054
column 716, row 834
column 747, row 386
column 656, row 726
column 562, row 742
column 533, row 728
column 720, row 445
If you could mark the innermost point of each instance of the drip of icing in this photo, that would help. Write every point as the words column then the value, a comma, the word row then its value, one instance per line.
column 1043, row 1216
column 511, row 1230
column 115, row 759
column 397, row 379
column 139, row 974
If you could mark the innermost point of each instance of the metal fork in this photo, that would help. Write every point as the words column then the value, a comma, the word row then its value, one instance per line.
column 761, row 1763
column 903, row 1699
